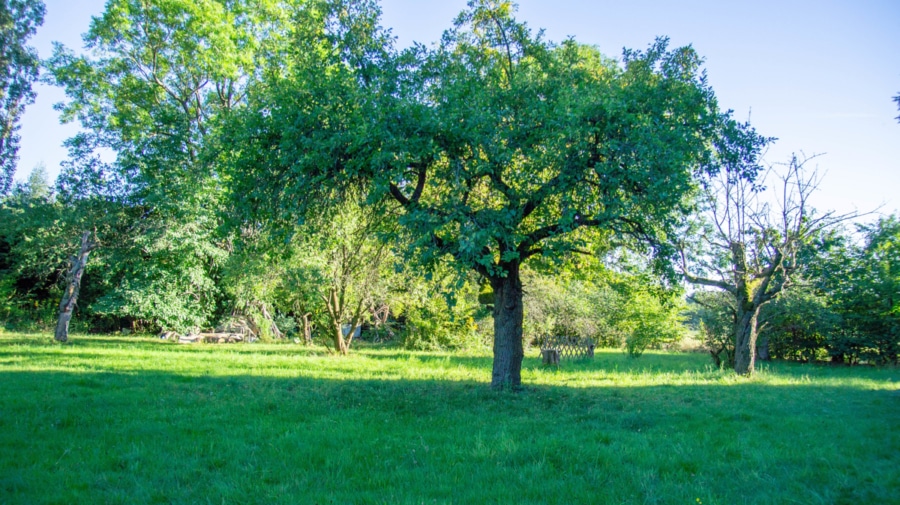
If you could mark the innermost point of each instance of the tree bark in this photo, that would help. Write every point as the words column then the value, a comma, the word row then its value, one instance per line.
column 746, row 313
column 307, row 329
column 340, row 343
column 745, row 332
column 508, row 350
column 73, row 286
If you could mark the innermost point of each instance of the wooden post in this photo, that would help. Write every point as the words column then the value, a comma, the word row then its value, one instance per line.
column 550, row 356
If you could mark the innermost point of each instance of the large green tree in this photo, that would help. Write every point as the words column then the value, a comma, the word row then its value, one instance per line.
column 19, row 66
column 157, row 79
column 498, row 145
column 862, row 284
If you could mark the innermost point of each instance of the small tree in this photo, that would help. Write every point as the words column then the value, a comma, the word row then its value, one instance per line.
column 339, row 264
column 712, row 315
column 749, row 244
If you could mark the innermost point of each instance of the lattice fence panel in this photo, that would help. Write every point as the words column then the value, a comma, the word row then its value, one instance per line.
column 569, row 346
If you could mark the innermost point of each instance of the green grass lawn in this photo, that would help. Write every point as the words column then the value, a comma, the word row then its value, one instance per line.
column 130, row 420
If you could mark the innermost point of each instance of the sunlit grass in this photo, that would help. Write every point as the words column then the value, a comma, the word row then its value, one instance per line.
column 132, row 420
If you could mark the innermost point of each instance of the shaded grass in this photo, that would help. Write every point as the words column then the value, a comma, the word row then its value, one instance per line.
column 126, row 420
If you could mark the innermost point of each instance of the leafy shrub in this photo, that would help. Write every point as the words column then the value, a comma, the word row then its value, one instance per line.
column 798, row 325
column 711, row 314
column 287, row 324
column 652, row 322
column 441, row 313
column 573, row 307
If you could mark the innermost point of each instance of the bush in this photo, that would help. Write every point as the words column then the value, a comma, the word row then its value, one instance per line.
column 441, row 313
column 798, row 325
column 711, row 314
column 571, row 307
column 652, row 322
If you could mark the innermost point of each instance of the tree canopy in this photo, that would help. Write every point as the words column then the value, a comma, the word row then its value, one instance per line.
column 498, row 145
column 19, row 65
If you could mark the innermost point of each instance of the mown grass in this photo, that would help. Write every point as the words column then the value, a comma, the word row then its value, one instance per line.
column 129, row 420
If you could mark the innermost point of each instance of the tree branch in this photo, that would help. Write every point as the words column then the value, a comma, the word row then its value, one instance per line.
column 421, row 173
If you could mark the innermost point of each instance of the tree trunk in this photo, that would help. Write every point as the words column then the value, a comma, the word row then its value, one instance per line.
column 73, row 286
column 746, row 313
column 508, row 351
column 340, row 344
column 307, row 329
column 745, row 329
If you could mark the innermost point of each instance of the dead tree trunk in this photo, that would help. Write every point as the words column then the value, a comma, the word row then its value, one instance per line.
column 747, row 305
column 73, row 286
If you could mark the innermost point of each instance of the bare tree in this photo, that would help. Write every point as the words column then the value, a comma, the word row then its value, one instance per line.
column 749, row 241
column 897, row 99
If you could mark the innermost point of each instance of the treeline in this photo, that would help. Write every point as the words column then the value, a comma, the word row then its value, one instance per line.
column 342, row 268
column 842, row 308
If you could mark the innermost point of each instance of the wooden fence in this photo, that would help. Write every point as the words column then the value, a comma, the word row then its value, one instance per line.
column 555, row 347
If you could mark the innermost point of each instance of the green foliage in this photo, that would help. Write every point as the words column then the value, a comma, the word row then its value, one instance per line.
column 711, row 313
column 442, row 312
column 652, row 322
column 160, row 275
column 800, row 325
column 588, row 299
column 33, row 251
column 163, row 277
column 304, row 113
column 868, row 296
column 586, row 307
column 846, row 309
column 24, row 309
column 522, row 140
column 19, row 65
column 160, row 78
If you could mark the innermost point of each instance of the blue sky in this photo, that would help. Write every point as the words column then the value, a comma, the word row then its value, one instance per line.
column 819, row 75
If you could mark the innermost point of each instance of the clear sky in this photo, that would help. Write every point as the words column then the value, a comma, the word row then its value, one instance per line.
column 819, row 75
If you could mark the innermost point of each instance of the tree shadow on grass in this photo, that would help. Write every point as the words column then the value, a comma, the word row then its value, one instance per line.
column 165, row 437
